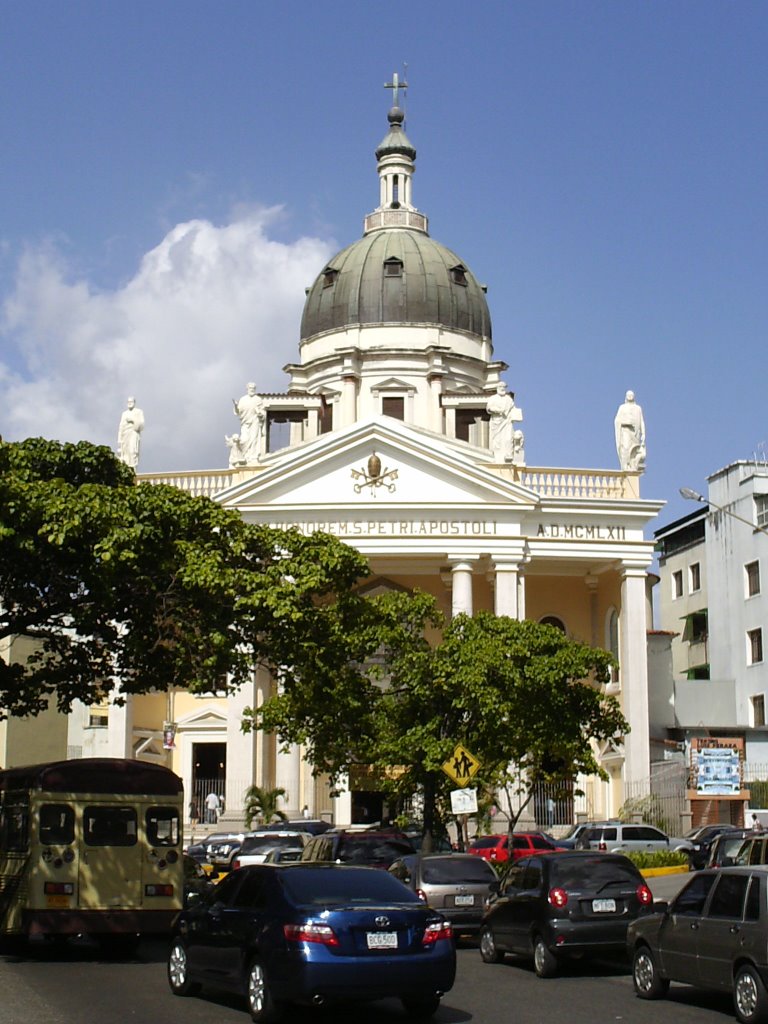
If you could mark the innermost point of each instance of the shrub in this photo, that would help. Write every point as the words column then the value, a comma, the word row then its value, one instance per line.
column 658, row 859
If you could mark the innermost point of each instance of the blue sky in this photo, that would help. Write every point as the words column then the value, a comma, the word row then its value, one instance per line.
column 174, row 175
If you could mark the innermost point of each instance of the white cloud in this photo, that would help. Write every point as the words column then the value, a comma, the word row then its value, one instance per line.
column 208, row 309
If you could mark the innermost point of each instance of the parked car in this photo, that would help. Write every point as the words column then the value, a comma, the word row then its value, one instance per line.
column 753, row 849
column 568, row 841
column 283, row 855
column 221, row 853
column 313, row 934
column 316, row 826
column 375, row 849
column 197, row 884
column 456, row 884
column 723, row 851
column 495, row 848
column 551, row 907
column 701, row 840
column 620, row 837
column 256, row 845
column 713, row 935
column 199, row 851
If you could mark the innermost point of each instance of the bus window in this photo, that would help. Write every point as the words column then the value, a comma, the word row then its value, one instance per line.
column 163, row 826
column 14, row 824
column 110, row 826
column 57, row 824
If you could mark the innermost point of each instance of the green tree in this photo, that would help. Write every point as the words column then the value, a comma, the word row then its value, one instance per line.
column 145, row 584
column 262, row 803
column 511, row 692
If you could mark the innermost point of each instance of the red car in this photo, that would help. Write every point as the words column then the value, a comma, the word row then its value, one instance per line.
column 496, row 848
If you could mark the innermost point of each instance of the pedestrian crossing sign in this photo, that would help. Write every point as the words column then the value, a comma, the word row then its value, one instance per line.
column 461, row 765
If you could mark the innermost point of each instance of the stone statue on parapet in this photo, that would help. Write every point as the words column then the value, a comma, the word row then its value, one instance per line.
column 236, row 456
column 129, row 434
column 504, row 414
column 251, row 411
column 629, row 428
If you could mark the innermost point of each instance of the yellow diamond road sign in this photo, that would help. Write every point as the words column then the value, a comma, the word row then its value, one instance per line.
column 461, row 765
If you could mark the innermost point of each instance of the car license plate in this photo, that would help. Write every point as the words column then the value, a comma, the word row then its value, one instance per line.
column 465, row 901
column 382, row 940
column 604, row 906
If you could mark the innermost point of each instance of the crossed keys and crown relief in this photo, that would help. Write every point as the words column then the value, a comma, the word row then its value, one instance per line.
column 373, row 476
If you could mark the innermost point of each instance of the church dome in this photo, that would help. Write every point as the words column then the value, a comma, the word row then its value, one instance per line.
column 396, row 276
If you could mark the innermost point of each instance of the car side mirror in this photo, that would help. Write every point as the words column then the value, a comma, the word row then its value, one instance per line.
column 660, row 906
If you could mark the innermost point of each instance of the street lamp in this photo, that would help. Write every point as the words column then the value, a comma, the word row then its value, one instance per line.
column 692, row 495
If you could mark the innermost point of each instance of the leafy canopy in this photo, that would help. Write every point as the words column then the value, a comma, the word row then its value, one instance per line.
column 509, row 691
column 113, row 580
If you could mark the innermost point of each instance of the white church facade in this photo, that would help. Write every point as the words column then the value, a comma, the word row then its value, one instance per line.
column 398, row 434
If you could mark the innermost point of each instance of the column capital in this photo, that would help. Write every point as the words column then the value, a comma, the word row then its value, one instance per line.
column 633, row 569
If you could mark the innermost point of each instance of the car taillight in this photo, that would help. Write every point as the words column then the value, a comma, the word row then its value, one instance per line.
column 422, row 895
column 435, row 931
column 601, row 846
column 644, row 894
column 158, row 890
column 492, row 855
column 59, row 888
column 311, row 932
column 235, row 865
column 557, row 897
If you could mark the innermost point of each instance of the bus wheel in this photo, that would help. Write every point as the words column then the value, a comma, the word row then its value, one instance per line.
column 178, row 971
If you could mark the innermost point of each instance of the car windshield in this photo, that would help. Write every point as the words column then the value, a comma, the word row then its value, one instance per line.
column 593, row 873
column 343, row 886
column 573, row 831
column 252, row 843
column 367, row 850
column 483, row 844
column 450, row 870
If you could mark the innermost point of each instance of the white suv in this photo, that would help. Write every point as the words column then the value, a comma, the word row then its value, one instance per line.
column 617, row 837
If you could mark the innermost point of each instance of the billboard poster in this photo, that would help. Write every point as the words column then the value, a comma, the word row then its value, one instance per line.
column 717, row 770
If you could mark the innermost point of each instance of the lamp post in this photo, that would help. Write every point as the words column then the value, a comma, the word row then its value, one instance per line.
column 692, row 495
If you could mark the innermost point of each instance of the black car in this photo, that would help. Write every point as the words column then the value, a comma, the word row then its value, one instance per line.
column 316, row 826
column 197, row 884
column 714, row 935
column 574, row 902
column 313, row 934
column 726, row 846
column 701, row 840
column 376, row 849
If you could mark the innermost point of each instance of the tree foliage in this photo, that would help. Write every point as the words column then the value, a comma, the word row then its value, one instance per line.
column 509, row 691
column 145, row 584
column 262, row 803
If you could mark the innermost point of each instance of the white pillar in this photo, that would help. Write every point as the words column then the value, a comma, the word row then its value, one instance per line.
column 520, row 596
column 435, row 410
column 241, row 751
column 120, row 727
column 506, row 589
column 461, row 596
column 348, row 400
column 633, row 646
column 342, row 803
column 288, row 777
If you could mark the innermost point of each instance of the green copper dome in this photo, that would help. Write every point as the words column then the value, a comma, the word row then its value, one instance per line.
column 396, row 276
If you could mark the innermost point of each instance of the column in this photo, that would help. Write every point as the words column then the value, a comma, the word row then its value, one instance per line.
column 520, row 596
column 348, row 400
column 241, row 752
column 633, row 646
column 120, row 726
column 594, row 626
column 506, row 589
column 342, row 802
column 461, row 592
column 288, row 777
column 435, row 409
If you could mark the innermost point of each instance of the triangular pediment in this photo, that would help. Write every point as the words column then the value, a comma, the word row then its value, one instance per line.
column 206, row 717
column 415, row 468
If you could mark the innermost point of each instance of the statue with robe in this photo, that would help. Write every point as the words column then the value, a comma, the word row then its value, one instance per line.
column 503, row 414
column 251, row 411
column 129, row 434
column 629, row 429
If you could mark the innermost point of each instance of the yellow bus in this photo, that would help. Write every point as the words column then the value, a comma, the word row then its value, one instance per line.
column 90, row 846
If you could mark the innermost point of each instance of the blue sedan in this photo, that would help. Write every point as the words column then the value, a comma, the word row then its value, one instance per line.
column 314, row 934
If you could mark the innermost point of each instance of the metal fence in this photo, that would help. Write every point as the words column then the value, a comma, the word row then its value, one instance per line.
column 660, row 799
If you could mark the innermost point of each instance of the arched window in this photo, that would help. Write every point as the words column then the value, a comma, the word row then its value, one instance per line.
column 552, row 620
